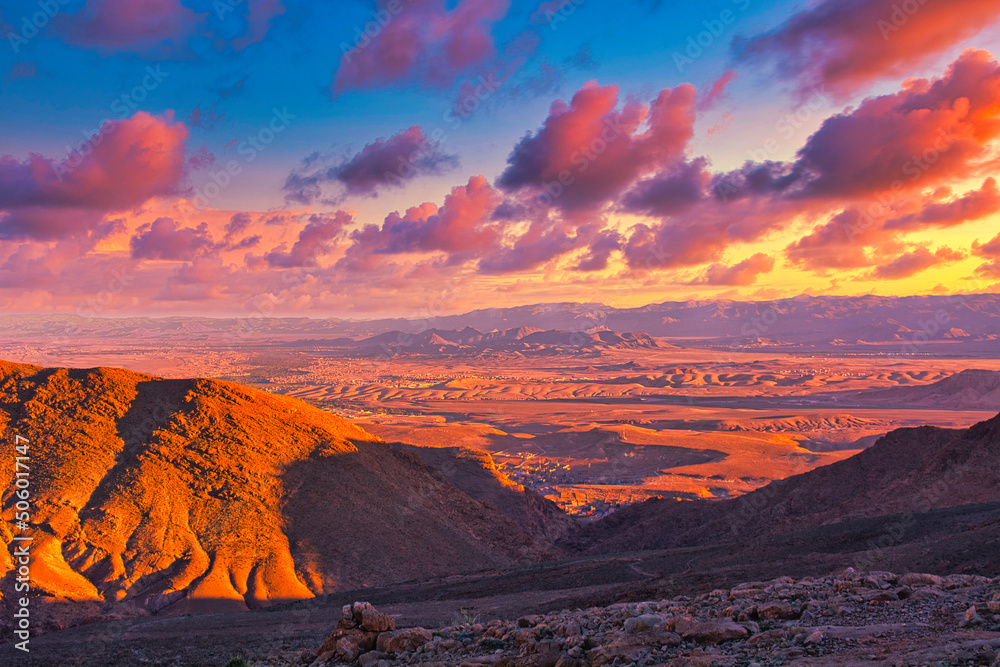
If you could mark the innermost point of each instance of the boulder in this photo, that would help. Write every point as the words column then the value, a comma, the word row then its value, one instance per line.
column 710, row 632
column 371, row 619
column 643, row 623
column 916, row 579
column 398, row 641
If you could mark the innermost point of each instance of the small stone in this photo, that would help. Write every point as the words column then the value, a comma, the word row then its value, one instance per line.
column 971, row 618
column 814, row 638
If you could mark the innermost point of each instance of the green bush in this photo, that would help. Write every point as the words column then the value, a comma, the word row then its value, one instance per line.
column 236, row 662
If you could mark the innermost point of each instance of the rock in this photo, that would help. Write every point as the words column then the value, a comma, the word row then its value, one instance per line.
column 364, row 640
column 971, row 618
column 767, row 638
column 403, row 640
column 778, row 610
column 606, row 655
column 814, row 638
column 347, row 649
column 643, row 623
column 926, row 593
column 371, row 658
column 711, row 632
column 322, row 658
column 915, row 579
column 372, row 619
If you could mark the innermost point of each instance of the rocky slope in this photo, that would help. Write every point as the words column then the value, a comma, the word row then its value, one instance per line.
column 906, row 472
column 851, row 618
column 197, row 495
column 474, row 472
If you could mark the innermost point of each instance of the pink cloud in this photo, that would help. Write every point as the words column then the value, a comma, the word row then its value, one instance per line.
column 164, row 239
column 717, row 90
column 973, row 205
column 847, row 44
column 134, row 160
column 421, row 41
column 740, row 274
column 462, row 228
column 315, row 240
column 915, row 261
column 927, row 132
column 587, row 152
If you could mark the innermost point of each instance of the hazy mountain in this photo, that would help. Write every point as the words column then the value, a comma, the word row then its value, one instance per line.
column 911, row 322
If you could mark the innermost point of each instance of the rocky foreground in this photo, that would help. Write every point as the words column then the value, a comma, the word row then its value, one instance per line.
column 852, row 618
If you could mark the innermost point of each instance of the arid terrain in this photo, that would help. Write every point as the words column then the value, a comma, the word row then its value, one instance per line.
column 700, row 404
column 459, row 478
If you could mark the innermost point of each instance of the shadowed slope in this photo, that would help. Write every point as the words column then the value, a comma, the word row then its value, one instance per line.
column 907, row 470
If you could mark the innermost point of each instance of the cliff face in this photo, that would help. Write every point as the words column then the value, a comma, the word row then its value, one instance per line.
column 204, row 495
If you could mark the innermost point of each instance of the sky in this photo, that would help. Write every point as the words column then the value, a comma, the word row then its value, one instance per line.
column 412, row 158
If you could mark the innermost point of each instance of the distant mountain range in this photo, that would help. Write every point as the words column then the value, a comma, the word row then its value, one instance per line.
column 907, row 322
column 524, row 340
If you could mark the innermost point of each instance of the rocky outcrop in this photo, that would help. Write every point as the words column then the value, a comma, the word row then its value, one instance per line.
column 852, row 617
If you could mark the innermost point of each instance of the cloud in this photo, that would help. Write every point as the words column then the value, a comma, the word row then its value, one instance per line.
column 163, row 239
column 382, row 164
column 462, row 228
column 926, row 132
column 670, row 192
column 717, row 91
column 973, row 205
column 421, row 41
column 133, row 161
column 990, row 249
column 846, row 45
column 587, row 152
column 915, row 261
column 316, row 239
column 741, row 274
column 159, row 28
